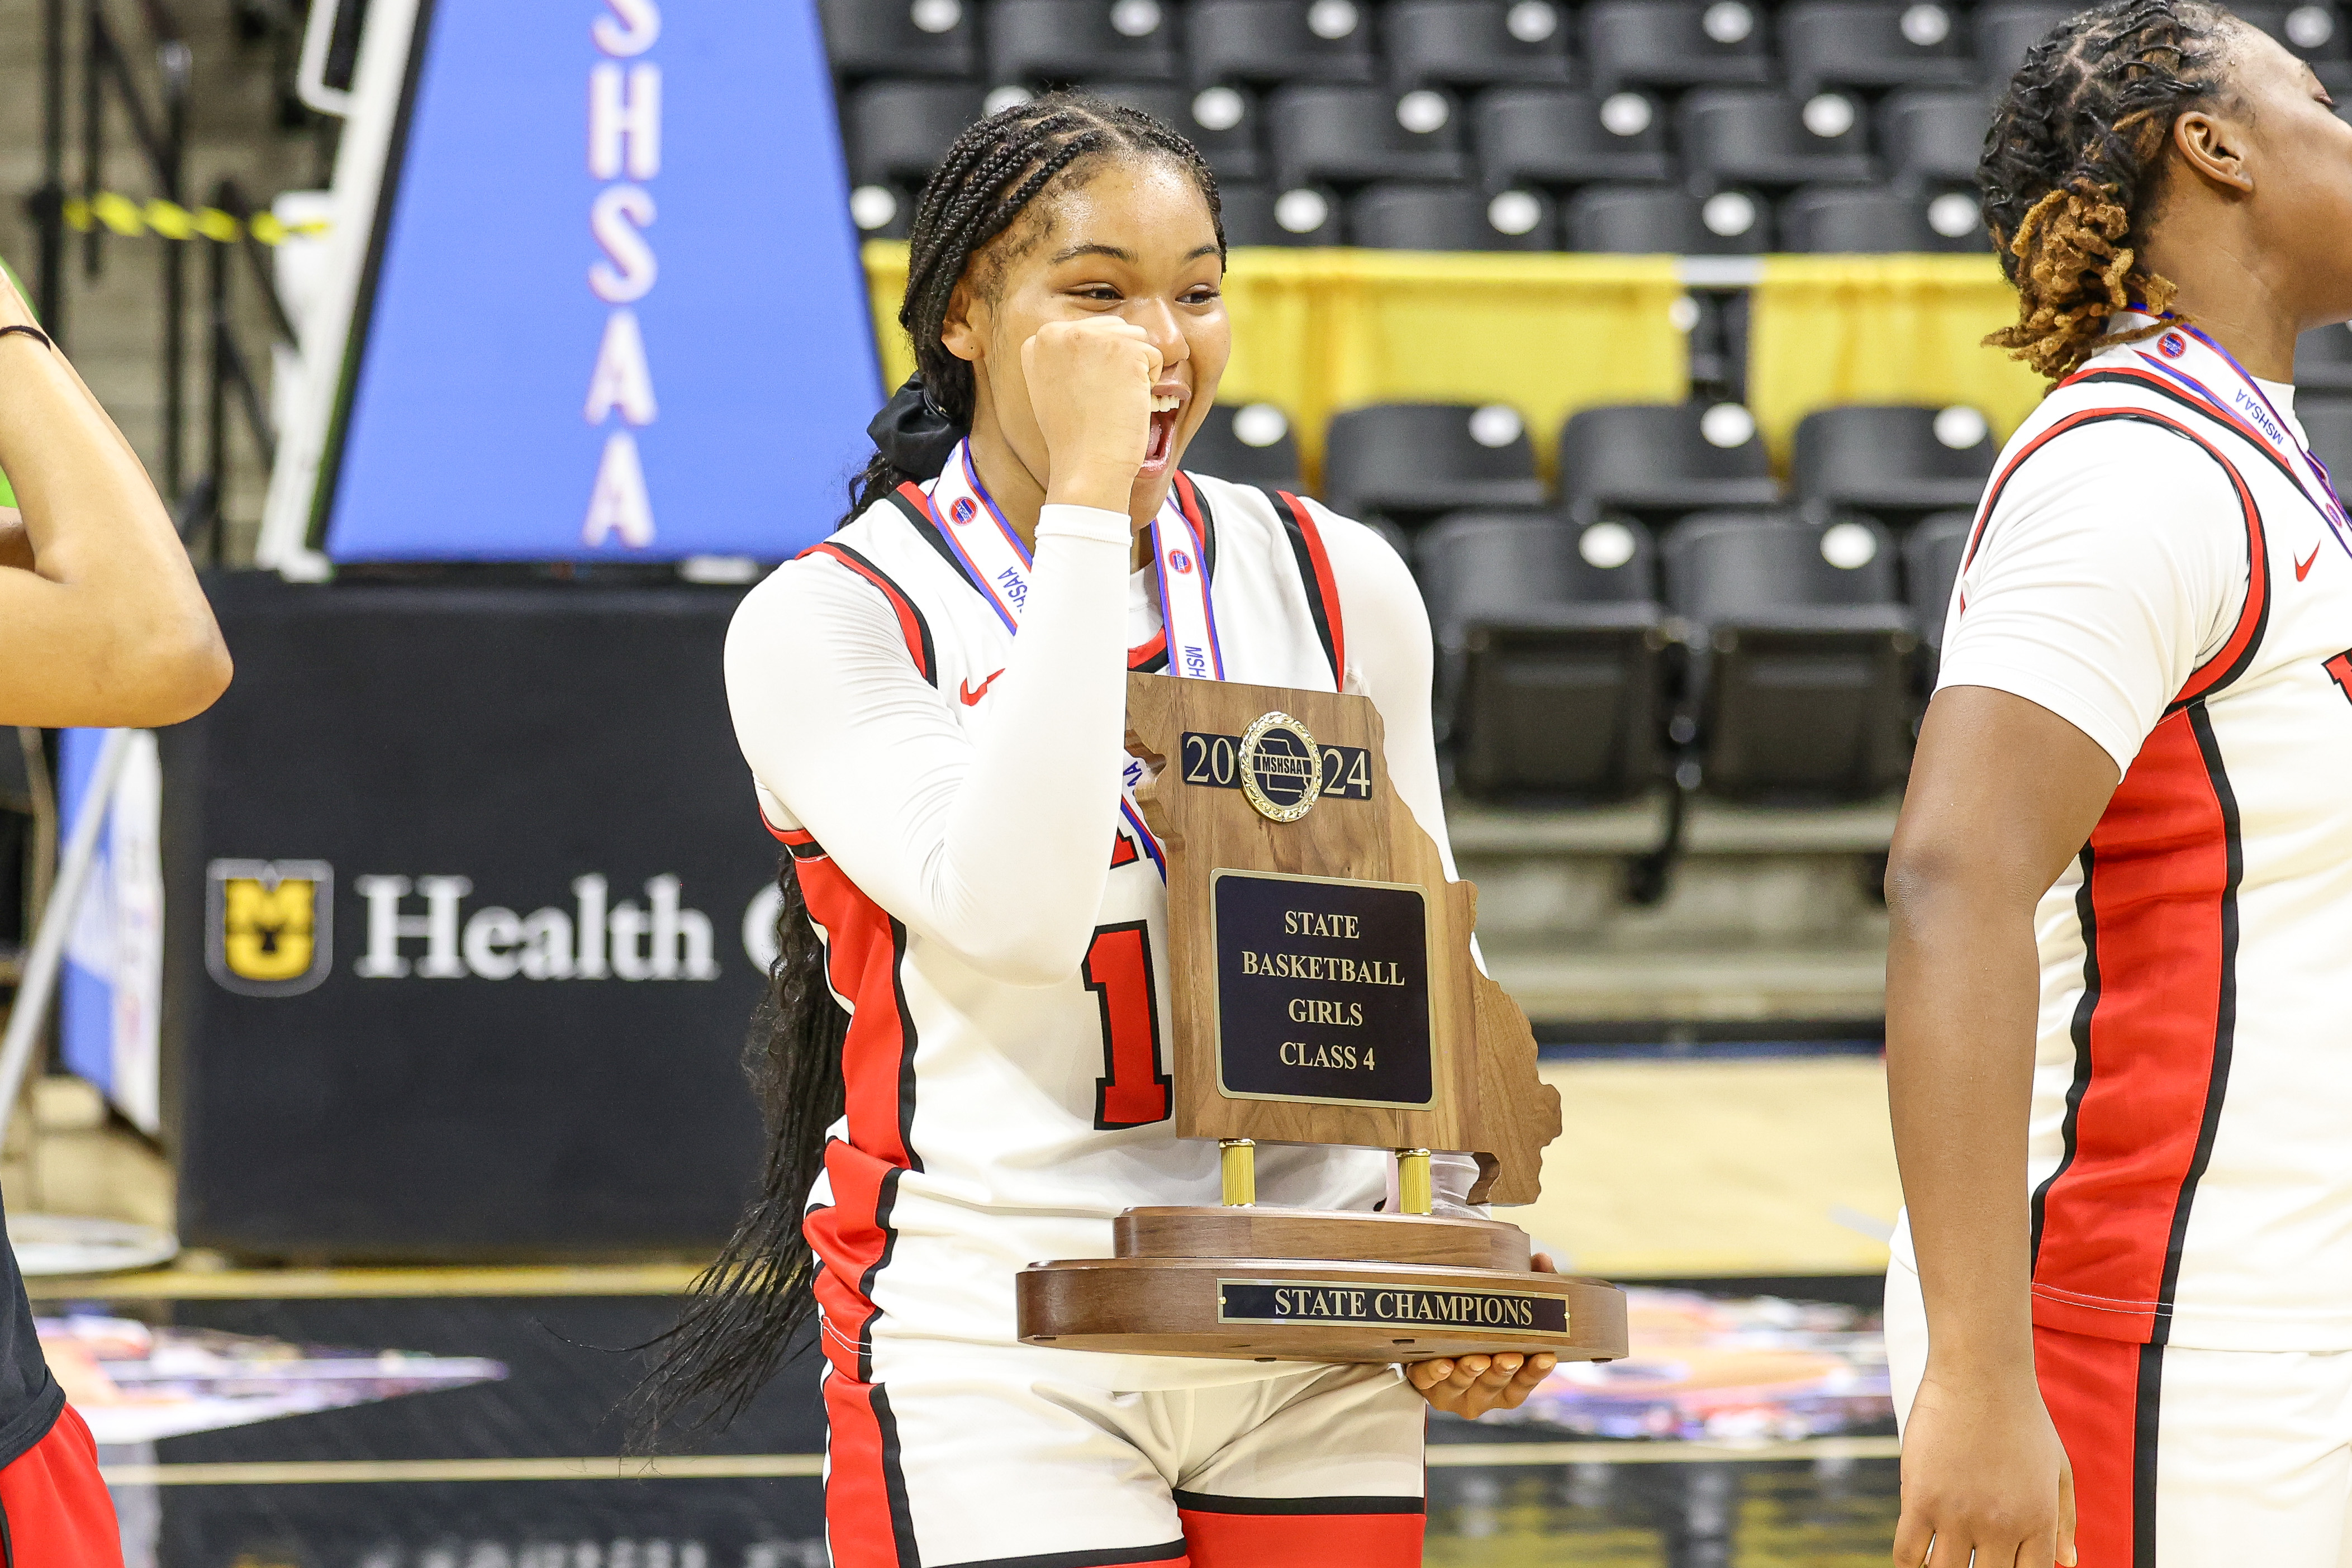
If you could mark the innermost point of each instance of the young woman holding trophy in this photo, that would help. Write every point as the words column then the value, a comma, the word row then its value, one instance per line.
column 964, row 1068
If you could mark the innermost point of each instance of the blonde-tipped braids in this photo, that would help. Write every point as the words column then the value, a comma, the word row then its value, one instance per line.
column 2074, row 155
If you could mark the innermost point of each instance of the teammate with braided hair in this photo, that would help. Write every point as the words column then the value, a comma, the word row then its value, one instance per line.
column 963, row 1065
column 2120, row 1310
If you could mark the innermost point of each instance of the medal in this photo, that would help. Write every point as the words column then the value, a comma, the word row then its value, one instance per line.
column 998, row 566
column 2207, row 373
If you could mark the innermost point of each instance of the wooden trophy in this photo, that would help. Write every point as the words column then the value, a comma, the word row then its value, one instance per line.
column 1323, row 991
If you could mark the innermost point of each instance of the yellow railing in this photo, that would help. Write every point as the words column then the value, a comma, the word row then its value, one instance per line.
column 1320, row 330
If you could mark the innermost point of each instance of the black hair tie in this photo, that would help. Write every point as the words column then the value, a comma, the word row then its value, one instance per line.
column 914, row 432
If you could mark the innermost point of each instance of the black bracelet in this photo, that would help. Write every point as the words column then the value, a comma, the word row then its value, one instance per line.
column 35, row 333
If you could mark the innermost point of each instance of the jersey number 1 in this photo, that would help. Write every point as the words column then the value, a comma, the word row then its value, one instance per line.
column 1133, row 1089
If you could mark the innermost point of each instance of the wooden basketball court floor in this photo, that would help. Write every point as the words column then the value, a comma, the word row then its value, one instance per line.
column 1771, row 1169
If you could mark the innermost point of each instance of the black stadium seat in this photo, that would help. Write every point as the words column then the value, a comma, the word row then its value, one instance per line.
column 1931, row 564
column 1419, row 216
column 1879, row 220
column 1752, row 136
column 1892, row 459
column 1409, row 461
column 1475, row 43
column 1549, row 644
column 2005, row 32
column 1349, row 135
column 1660, row 459
column 1249, row 443
column 1263, row 215
column 2315, row 32
column 2327, row 421
column 1871, row 44
column 1222, row 122
column 1674, row 43
column 1933, row 134
column 900, row 37
column 1054, row 43
column 1646, row 220
column 1800, row 682
column 899, row 130
column 2323, row 362
column 1273, row 41
column 1556, row 138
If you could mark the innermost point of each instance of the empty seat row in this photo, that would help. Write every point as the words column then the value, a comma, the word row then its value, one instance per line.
column 1865, row 44
column 1547, row 138
column 1625, row 219
column 1410, row 462
column 1773, row 656
column 1650, row 463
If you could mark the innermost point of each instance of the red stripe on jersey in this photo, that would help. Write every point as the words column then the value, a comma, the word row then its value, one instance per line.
column 1324, row 587
column 2237, row 651
column 868, row 1523
column 1259, row 1538
column 2102, row 1396
column 911, row 625
column 2163, row 871
column 864, row 950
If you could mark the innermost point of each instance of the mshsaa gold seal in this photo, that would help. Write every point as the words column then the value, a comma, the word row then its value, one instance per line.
column 1281, row 767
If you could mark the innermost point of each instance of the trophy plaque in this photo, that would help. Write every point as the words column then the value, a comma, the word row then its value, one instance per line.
column 1322, row 991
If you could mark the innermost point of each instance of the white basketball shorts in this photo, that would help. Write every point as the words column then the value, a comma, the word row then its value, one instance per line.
column 961, row 1454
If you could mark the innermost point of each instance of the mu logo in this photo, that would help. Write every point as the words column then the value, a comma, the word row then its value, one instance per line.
column 269, row 925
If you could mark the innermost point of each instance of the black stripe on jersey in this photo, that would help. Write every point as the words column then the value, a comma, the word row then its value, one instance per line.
column 894, row 1483
column 883, row 1201
column 1108, row 1557
column 1308, row 579
column 2156, row 383
column 926, row 531
column 811, row 850
column 906, row 1046
column 1204, row 1502
column 1208, row 527
column 930, row 660
column 2086, row 913
column 2257, row 568
column 2147, row 1400
column 2225, row 1013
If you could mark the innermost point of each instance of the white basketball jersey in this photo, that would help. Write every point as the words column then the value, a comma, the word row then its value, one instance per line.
column 2191, row 1147
column 991, row 1125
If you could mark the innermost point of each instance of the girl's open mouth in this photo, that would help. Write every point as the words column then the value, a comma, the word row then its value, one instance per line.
column 1162, row 441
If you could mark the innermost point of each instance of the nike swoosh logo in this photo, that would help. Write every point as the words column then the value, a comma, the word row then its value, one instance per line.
column 964, row 688
column 2303, row 567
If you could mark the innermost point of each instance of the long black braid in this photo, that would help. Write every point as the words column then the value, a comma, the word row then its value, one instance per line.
column 2075, row 157
column 744, row 1313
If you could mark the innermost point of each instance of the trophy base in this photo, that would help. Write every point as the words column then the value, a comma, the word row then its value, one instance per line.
column 1267, row 1284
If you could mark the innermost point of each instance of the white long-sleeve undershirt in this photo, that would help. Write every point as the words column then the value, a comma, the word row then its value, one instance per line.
column 936, row 825
column 995, row 847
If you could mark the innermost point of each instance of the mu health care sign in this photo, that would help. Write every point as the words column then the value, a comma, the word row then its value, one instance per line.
column 613, row 306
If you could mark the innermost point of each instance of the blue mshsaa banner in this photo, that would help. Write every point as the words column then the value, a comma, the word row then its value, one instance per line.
column 614, row 308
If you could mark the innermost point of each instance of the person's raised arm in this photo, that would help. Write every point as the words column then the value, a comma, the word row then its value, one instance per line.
column 2003, row 794
column 101, row 619
column 997, row 847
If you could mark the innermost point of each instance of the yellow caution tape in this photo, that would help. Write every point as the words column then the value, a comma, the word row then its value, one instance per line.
column 169, row 220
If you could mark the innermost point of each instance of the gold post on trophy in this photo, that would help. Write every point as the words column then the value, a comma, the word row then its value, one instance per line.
column 1237, row 1163
column 1414, row 1194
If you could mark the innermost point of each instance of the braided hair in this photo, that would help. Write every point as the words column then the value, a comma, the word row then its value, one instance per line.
column 743, row 1315
column 2074, row 159
column 985, row 182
